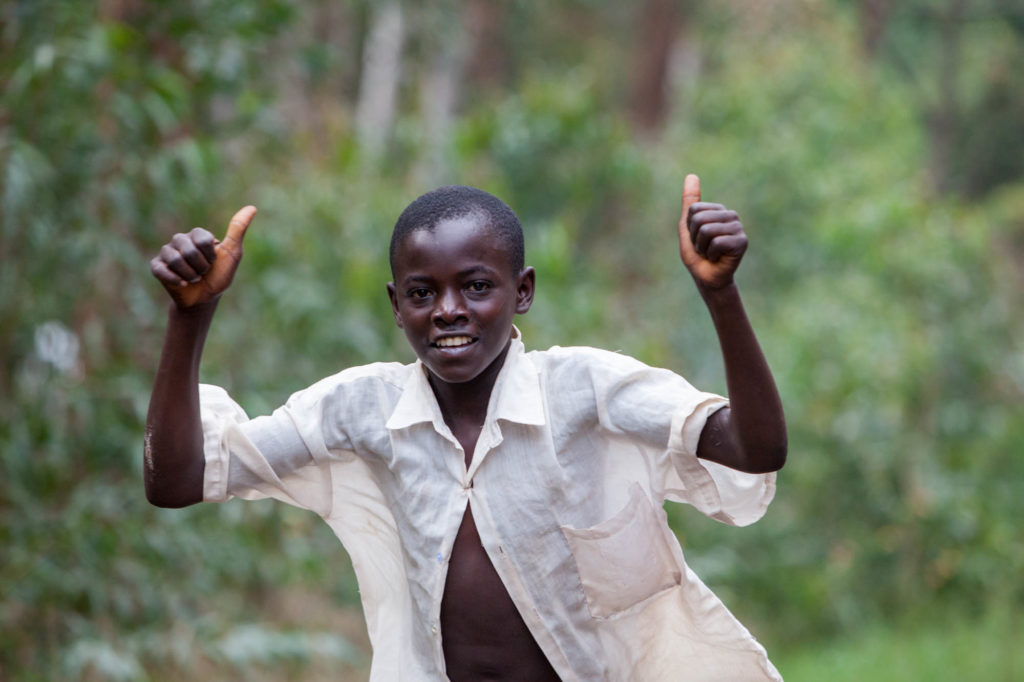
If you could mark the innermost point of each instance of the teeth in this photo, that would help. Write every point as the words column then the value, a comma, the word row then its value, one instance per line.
column 453, row 341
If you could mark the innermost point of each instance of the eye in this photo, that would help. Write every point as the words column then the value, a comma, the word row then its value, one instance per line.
column 479, row 286
column 419, row 292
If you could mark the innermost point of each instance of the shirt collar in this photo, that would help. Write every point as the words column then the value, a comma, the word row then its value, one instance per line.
column 516, row 396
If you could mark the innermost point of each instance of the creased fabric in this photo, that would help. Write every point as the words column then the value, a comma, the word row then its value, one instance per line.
column 579, row 450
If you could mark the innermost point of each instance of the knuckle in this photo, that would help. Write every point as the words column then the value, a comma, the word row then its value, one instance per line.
column 189, row 252
column 200, row 235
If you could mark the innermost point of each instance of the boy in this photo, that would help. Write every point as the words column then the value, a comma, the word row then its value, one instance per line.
column 502, row 509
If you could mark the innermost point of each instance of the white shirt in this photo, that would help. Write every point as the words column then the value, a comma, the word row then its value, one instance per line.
column 579, row 450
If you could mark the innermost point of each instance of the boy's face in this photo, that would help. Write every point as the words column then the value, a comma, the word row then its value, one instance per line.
column 455, row 295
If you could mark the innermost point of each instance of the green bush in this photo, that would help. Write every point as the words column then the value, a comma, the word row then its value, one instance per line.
column 889, row 314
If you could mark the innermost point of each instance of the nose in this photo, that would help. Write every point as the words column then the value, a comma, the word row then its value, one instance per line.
column 450, row 309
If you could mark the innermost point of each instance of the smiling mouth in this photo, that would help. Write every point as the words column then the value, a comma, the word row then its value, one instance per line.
column 453, row 342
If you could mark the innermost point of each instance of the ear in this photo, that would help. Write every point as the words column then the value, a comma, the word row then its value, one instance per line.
column 524, row 290
column 393, row 297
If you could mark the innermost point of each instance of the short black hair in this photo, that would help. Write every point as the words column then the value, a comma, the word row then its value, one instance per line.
column 457, row 201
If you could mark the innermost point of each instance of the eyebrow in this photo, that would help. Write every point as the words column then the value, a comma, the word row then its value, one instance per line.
column 476, row 269
column 482, row 269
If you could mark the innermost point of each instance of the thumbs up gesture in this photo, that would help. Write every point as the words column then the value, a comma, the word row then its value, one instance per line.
column 196, row 267
column 711, row 238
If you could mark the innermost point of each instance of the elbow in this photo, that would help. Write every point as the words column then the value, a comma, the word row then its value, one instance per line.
column 768, row 453
column 171, row 501
column 165, row 501
column 156, row 497
column 777, row 458
column 168, row 499
column 157, row 501
column 766, row 458
column 165, row 493
column 774, row 457
column 781, row 448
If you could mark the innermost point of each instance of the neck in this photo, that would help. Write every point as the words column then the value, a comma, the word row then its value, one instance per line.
column 468, row 399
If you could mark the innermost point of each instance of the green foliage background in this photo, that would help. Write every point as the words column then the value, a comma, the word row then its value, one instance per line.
column 888, row 304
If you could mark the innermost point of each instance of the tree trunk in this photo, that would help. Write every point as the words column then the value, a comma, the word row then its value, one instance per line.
column 874, row 15
column 944, row 118
column 439, row 98
column 382, row 68
column 660, row 23
column 489, row 65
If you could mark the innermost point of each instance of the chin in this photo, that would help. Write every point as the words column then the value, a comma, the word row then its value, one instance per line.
column 459, row 375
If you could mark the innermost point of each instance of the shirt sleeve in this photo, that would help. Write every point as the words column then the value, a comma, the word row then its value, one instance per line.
column 665, row 415
column 266, row 457
column 725, row 494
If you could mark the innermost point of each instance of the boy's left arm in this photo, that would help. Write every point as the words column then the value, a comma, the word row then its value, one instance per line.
column 750, row 434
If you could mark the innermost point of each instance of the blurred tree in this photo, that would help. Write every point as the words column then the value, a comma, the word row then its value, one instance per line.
column 944, row 116
column 443, row 67
column 874, row 15
column 660, row 25
column 875, row 292
column 890, row 312
column 957, row 55
column 115, row 118
column 382, row 71
column 489, row 60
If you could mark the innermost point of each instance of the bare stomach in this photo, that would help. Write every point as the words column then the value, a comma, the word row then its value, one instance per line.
column 482, row 633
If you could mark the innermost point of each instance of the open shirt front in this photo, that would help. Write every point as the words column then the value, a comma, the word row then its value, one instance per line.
column 578, row 452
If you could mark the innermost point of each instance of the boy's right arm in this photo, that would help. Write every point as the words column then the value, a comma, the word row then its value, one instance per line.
column 195, row 269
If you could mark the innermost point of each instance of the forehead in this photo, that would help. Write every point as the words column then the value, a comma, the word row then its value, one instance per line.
column 465, row 241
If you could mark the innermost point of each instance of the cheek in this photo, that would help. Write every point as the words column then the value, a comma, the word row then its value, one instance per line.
column 417, row 318
column 493, row 310
column 498, row 321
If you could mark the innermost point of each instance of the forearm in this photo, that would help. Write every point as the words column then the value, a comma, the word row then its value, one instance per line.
column 751, row 434
column 173, row 457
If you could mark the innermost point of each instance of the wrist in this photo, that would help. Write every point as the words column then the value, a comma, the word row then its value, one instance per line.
column 715, row 296
column 197, row 318
column 203, row 310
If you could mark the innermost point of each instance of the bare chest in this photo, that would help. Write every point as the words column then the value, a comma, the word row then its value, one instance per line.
column 482, row 633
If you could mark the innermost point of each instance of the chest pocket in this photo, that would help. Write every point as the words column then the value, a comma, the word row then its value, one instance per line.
column 624, row 560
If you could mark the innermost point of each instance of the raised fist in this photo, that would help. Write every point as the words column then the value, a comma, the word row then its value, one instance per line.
column 196, row 267
column 711, row 238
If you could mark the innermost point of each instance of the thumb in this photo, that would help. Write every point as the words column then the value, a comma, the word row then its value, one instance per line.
column 691, row 194
column 218, row 278
column 236, row 231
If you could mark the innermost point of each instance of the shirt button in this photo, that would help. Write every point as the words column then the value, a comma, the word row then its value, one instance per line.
column 433, row 629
